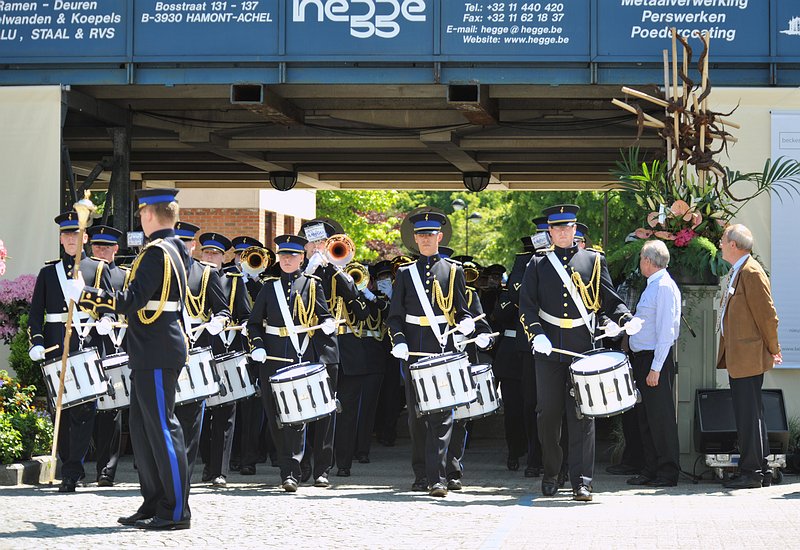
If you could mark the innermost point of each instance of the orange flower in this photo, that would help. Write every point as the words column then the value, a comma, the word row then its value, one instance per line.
column 679, row 209
column 642, row 233
column 652, row 219
column 665, row 235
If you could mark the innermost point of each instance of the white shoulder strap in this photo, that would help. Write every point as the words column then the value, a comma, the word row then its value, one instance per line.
column 79, row 318
column 283, row 304
column 573, row 291
column 427, row 308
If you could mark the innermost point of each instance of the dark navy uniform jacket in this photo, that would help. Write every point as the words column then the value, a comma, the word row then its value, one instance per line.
column 162, row 343
column 215, row 302
column 475, row 307
column 48, row 299
column 118, row 277
column 353, row 356
column 406, row 302
column 267, row 310
column 543, row 289
column 232, row 284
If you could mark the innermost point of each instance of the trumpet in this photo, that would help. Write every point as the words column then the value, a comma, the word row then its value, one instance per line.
column 340, row 249
column 398, row 262
column 255, row 260
column 471, row 271
column 359, row 273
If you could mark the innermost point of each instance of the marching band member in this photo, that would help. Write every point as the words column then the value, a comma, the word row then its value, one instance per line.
column 104, row 241
column 560, row 296
column 290, row 300
column 54, row 288
column 157, row 352
column 428, row 296
column 218, row 424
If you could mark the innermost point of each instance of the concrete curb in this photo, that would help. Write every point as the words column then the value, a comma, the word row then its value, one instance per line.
column 29, row 472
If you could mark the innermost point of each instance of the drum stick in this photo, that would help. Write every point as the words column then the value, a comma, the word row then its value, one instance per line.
column 300, row 330
column 115, row 324
column 572, row 353
column 273, row 358
column 452, row 330
column 471, row 340
column 235, row 327
column 421, row 354
column 52, row 348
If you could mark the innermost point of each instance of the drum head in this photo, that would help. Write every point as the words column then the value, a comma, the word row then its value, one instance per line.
column 197, row 351
column 438, row 359
column 86, row 351
column 601, row 360
column 115, row 360
column 228, row 356
column 296, row 372
column 479, row 369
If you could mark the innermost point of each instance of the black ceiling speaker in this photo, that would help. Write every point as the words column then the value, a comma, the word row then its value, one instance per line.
column 476, row 181
column 283, row 181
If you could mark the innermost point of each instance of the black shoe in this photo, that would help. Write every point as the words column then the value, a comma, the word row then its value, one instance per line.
column 533, row 472
column 67, row 486
column 419, row 485
column 159, row 524
column 623, row 470
column 207, row 476
column 305, row 472
column 582, row 494
column 131, row 520
column 363, row 459
column 512, row 464
column 454, row 485
column 661, row 482
column 235, row 466
column 640, row 480
column 767, row 481
column 220, row 482
column 549, row 487
column 743, row 482
column 322, row 481
column 289, row 485
column 247, row 470
column 343, row 472
column 105, row 480
column 438, row 490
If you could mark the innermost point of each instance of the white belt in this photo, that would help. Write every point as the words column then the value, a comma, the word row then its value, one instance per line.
column 511, row 333
column 55, row 318
column 153, row 305
column 276, row 331
column 423, row 321
column 372, row 333
column 563, row 323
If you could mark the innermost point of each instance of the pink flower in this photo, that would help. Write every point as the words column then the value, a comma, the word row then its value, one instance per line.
column 2, row 268
column 643, row 233
column 684, row 236
column 665, row 235
column 3, row 251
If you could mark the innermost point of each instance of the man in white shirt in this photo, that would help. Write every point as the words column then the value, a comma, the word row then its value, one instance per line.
column 654, row 369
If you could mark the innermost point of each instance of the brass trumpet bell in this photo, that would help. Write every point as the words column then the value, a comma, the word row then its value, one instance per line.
column 359, row 273
column 256, row 259
column 340, row 249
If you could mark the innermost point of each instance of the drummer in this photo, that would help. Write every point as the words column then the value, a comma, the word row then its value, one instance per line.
column 292, row 299
column 559, row 309
column 438, row 286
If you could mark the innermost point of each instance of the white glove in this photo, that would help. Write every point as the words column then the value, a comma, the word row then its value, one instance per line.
column 612, row 329
column 259, row 355
column 314, row 262
column 633, row 326
column 483, row 340
column 368, row 294
column 328, row 326
column 400, row 351
column 385, row 287
column 466, row 326
column 36, row 353
column 542, row 344
column 215, row 325
column 73, row 288
column 104, row 326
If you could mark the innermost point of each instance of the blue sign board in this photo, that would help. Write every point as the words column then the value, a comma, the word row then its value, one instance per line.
column 788, row 37
column 205, row 30
column 63, row 29
column 543, row 30
column 629, row 29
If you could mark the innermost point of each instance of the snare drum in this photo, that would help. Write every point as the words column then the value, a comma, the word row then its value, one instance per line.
column 302, row 393
column 198, row 379
column 488, row 401
column 442, row 382
column 119, row 383
column 603, row 383
column 84, row 380
column 232, row 369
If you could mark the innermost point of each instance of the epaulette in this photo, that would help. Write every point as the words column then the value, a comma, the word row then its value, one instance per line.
column 452, row 261
column 52, row 262
column 233, row 273
column 124, row 267
column 153, row 243
column 231, row 269
column 270, row 278
column 597, row 248
column 310, row 276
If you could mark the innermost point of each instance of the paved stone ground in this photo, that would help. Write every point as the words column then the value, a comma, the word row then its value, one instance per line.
column 376, row 509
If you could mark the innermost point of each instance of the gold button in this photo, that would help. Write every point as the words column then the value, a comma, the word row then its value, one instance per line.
column 565, row 295
column 565, row 304
column 565, row 315
column 565, row 258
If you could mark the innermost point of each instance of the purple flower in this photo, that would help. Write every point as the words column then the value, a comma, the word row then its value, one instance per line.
column 684, row 237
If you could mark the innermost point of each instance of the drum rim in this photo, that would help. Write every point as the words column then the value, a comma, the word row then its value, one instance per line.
column 594, row 352
column 449, row 407
column 195, row 351
column 223, row 403
column 473, row 369
column 223, row 357
column 436, row 360
column 608, row 415
column 114, row 356
column 307, row 420
column 318, row 367
column 72, row 354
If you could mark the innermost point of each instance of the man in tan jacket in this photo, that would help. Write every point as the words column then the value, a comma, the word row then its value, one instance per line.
column 748, row 347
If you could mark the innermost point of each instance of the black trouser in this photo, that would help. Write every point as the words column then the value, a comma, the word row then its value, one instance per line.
column 370, row 390
column 633, row 453
column 190, row 416
column 751, row 428
column 514, row 416
column 454, row 468
column 217, row 440
column 656, row 416
column 553, row 400
column 348, row 391
column 74, row 437
column 320, row 435
column 289, row 440
column 158, row 445
column 529, row 400
column 107, row 441
column 430, row 437
column 389, row 403
column 249, row 426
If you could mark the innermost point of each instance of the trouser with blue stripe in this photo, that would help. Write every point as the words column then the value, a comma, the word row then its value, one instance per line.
column 158, row 445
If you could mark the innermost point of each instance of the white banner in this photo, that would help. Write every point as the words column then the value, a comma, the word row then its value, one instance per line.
column 785, row 291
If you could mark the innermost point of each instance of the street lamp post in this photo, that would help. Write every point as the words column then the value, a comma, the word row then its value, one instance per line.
column 459, row 204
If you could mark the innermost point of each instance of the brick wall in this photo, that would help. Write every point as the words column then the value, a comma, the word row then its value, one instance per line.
column 230, row 222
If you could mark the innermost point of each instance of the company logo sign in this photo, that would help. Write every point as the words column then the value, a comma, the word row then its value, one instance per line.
column 367, row 18
column 794, row 27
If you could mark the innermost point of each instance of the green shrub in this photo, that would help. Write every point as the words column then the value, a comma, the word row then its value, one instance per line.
column 24, row 430
column 10, row 440
column 28, row 372
column 36, row 431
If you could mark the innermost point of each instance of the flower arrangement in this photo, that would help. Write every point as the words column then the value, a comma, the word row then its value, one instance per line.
column 25, row 431
column 3, row 256
column 15, row 300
